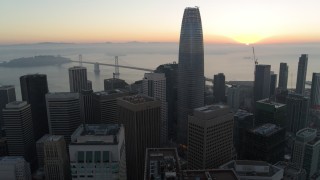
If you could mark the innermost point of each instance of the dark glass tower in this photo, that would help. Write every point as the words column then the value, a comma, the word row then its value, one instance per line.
column 302, row 73
column 283, row 76
column 219, row 88
column 34, row 87
column 190, row 70
column 262, row 82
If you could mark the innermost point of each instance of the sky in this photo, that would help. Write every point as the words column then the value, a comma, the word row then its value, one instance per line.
column 95, row 21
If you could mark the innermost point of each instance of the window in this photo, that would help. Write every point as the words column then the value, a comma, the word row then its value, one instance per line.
column 89, row 157
column 105, row 156
column 80, row 157
column 97, row 157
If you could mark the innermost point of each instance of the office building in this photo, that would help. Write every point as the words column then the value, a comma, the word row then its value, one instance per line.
column 302, row 73
column 315, row 91
column 141, row 117
column 297, row 112
column 243, row 121
column 114, row 83
column 306, row 151
column 265, row 143
column 268, row 111
column 19, row 131
column 34, row 87
column 290, row 172
column 7, row 95
column 162, row 163
column 219, row 87
column 233, row 97
column 154, row 85
column 273, row 83
column 171, row 74
column 105, row 106
column 86, row 106
column 209, row 174
column 63, row 110
column 261, row 82
column 40, row 150
column 190, row 71
column 283, row 76
column 97, row 151
column 14, row 168
column 78, row 79
column 210, row 137
column 89, row 85
column 254, row 170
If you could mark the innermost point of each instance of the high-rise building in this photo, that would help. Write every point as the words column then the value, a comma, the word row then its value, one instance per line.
column 290, row 171
column 78, row 79
column 97, row 151
column 191, row 70
column 14, row 168
column 265, row 143
column 306, row 151
column 154, row 85
column 105, row 106
column 268, row 111
column 34, row 87
column 210, row 137
column 302, row 73
column 283, row 76
column 171, row 73
column 63, row 110
column 114, row 83
column 56, row 164
column 219, row 87
column 262, row 82
column 273, row 83
column 86, row 106
column 89, row 85
column 19, row 131
column 233, row 97
column 40, row 150
column 315, row 91
column 7, row 95
column 297, row 112
column 141, row 117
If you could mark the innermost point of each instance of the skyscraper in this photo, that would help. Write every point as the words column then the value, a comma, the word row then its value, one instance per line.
column 19, row 131
column 283, row 76
column 78, row 79
column 297, row 112
column 302, row 73
column 86, row 106
column 267, row 111
column 141, row 117
column 262, row 82
column 191, row 69
column 273, row 84
column 315, row 91
column 7, row 95
column 210, row 137
column 63, row 110
column 219, row 87
column 154, row 85
column 233, row 97
column 34, row 87
column 14, row 167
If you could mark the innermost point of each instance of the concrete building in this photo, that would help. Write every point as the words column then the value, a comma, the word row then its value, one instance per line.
column 302, row 73
column 105, row 106
column 306, row 151
column 86, row 106
column 210, row 137
column 290, row 172
column 14, row 168
column 78, row 79
column 34, row 87
column 141, row 117
column 268, row 111
column 297, row 112
column 264, row 143
column 19, row 131
column 261, row 82
column 40, row 150
column 315, row 91
column 233, row 97
column 154, row 85
column 114, row 83
column 190, row 71
column 162, row 163
column 283, row 76
column 7, row 95
column 56, row 163
column 219, row 88
column 254, row 170
column 97, row 151
column 63, row 110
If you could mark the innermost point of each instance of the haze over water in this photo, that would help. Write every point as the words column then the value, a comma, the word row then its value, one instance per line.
column 234, row 60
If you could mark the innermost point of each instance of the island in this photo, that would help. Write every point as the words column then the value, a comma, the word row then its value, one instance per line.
column 36, row 61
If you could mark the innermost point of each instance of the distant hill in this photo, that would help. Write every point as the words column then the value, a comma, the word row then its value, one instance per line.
column 36, row 61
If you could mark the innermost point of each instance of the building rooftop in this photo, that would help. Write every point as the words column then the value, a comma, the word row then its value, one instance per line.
column 62, row 95
column 266, row 129
column 49, row 137
column 111, row 92
column 290, row 171
column 306, row 134
column 137, row 99
column 161, row 162
column 272, row 103
column 11, row 159
column 242, row 114
column 213, row 174
column 16, row 104
column 210, row 108
column 6, row 87
column 77, row 67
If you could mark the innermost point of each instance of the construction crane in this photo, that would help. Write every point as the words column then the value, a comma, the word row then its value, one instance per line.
column 254, row 57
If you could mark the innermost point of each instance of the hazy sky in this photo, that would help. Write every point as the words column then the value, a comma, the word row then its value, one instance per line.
column 245, row 21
